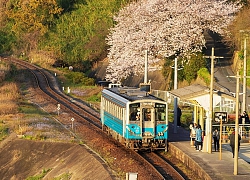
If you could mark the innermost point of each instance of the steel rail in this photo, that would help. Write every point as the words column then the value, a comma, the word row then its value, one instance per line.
column 164, row 168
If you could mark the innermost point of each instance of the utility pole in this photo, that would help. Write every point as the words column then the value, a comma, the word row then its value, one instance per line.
column 236, row 153
column 209, row 123
column 244, row 76
column 236, row 123
column 244, row 71
column 175, row 98
column 236, row 126
column 146, row 67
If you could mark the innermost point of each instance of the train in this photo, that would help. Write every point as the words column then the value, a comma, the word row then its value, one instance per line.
column 135, row 118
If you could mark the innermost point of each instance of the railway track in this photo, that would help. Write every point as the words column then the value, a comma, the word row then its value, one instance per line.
column 164, row 168
column 44, row 81
column 83, row 114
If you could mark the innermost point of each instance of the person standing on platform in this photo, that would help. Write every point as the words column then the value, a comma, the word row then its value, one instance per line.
column 216, row 137
column 192, row 134
column 245, row 118
column 232, row 142
column 193, row 127
column 179, row 113
column 240, row 119
column 198, row 138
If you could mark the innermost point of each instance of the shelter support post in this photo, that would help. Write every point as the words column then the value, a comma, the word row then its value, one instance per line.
column 201, row 117
column 195, row 114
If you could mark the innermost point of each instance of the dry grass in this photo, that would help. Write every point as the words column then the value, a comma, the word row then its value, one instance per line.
column 8, row 98
column 3, row 69
column 44, row 59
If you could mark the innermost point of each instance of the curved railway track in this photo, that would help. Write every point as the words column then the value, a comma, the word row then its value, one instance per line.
column 83, row 114
column 44, row 81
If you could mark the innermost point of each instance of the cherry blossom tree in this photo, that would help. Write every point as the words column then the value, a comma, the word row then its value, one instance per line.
column 164, row 28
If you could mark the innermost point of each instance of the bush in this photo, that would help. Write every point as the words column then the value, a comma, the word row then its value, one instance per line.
column 94, row 98
column 204, row 74
column 194, row 64
column 79, row 79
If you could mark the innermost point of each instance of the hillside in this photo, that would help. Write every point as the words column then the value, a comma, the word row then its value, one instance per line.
column 20, row 159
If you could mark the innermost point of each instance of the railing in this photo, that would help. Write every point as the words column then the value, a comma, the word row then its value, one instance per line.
column 227, row 129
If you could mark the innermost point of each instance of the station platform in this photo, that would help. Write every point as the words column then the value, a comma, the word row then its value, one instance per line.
column 208, row 165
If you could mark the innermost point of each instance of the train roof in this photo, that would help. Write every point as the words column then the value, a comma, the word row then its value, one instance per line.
column 130, row 93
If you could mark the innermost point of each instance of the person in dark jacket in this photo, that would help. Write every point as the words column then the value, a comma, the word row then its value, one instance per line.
column 245, row 118
column 216, row 137
column 232, row 142
column 240, row 119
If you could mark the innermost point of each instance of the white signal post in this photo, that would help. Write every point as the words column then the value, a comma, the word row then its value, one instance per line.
column 58, row 109
column 209, row 123
column 72, row 119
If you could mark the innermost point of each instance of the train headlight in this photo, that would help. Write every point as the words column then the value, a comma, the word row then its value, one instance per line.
column 147, row 134
column 160, row 134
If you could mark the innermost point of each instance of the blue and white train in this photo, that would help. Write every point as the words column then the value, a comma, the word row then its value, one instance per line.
column 135, row 118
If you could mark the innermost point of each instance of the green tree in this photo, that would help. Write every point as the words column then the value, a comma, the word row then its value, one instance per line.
column 7, row 40
column 32, row 16
column 80, row 35
column 194, row 64
column 29, row 20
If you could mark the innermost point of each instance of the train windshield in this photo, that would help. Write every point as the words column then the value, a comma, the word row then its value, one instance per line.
column 134, row 110
column 160, row 112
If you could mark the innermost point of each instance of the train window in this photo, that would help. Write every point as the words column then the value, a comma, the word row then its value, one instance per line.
column 108, row 105
column 123, row 113
column 146, row 114
column 111, row 107
column 160, row 112
column 115, row 110
column 118, row 112
column 134, row 111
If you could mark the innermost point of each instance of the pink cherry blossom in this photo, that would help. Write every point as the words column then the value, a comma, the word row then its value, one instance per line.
column 164, row 28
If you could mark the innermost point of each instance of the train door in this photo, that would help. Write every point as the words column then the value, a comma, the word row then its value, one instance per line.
column 148, row 121
column 133, row 126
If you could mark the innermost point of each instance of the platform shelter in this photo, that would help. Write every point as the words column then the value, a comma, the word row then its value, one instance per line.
column 198, row 96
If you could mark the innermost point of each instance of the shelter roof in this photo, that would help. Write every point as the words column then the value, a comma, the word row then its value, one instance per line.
column 190, row 91
column 199, row 95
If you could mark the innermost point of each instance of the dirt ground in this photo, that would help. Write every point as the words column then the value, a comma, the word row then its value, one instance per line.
column 20, row 159
column 40, row 146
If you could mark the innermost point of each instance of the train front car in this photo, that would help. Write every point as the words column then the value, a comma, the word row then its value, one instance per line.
column 150, row 124
column 143, row 124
